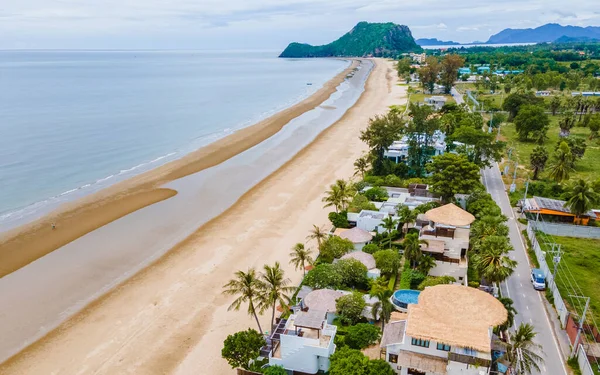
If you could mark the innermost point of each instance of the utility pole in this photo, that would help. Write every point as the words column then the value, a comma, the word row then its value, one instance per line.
column 513, row 186
column 526, row 188
column 581, row 321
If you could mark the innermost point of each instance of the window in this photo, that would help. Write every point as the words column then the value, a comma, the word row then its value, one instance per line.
column 419, row 342
column 443, row 347
column 393, row 358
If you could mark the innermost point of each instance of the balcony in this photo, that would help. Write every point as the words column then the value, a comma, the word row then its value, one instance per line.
column 469, row 360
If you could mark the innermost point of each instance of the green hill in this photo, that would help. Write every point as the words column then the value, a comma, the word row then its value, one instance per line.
column 365, row 39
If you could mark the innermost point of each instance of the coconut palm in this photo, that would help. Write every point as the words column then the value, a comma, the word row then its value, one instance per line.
column 487, row 226
column 581, row 197
column 538, row 159
column 412, row 248
column 406, row 215
column 300, row 257
column 522, row 352
column 510, row 320
column 361, row 165
column 492, row 262
column 426, row 263
column 275, row 289
column 390, row 224
column 247, row 286
column 562, row 164
column 339, row 196
column 318, row 234
column 383, row 308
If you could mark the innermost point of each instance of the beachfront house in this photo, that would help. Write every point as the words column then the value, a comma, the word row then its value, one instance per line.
column 371, row 221
column 302, row 343
column 324, row 300
column 437, row 102
column 554, row 210
column 448, row 331
column 359, row 237
column 398, row 150
column 446, row 231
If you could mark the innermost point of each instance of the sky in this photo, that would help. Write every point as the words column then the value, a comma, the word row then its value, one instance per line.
column 263, row 24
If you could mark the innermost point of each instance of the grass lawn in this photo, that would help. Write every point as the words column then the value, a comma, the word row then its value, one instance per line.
column 420, row 97
column 582, row 257
column 588, row 167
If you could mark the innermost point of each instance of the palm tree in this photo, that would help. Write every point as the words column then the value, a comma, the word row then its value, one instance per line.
column 406, row 215
column 492, row 262
column 562, row 165
column 510, row 320
column 389, row 223
column 566, row 123
column 247, row 286
column 485, row 227
column 300, row 257
column 538, row 159
column 383, row 308
column 522, row 352
column 412, row 248
column 318, row 234
column 426, row 263
column 275, row 289
column 339, row 195
column 361, row 165
column 581, row 197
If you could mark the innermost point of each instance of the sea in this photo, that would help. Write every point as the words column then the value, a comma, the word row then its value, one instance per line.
column 74, row 122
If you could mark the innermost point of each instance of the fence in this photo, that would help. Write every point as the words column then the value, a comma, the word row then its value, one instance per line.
column 583, row 361
column 567, row 230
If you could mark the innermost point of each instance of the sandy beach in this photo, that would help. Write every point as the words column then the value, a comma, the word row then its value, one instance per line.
column 171, row 318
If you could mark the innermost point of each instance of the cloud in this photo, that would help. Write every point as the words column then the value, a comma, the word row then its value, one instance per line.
column 257, row 23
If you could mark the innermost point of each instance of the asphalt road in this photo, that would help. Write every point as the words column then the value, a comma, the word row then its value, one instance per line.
column 527, row 301
column 458, row 98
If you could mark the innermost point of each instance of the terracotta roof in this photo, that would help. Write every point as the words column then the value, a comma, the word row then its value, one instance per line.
column 365, row 258
column 356, row 235
column 450, row 214
column 393, row 333
column 426, row 363
column 455, row 315
column 322, row 299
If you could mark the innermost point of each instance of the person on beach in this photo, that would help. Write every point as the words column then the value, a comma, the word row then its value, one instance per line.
column 53, row 226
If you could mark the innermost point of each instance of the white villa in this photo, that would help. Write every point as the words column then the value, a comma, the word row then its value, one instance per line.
column 324, row 300
column 398, row 151
column 446, row 230
column 448, row 332
column 303, row 342
column 437, row 102
column 359, row 237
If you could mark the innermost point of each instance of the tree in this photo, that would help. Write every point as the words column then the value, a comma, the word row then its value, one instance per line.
column 275, row 289
column 581, row 197
column 390, row 225
column 406, row 215
column 576, row 145
column 247, row 286
column 522, row 351
column 377, row 194
column 361, row 165
column 566, row 123
column 353, row 272
column 403, row 67
column 426, row 264
column 510, row 320
column 359, row 203
column 362, row 335
column 435, row 280
column 324, row 276
column 488, row 225
column 379, row 367
column 453, row 174
column 388, row 261
column 562, row 165
column 318, row 234
column 300, row 257
column 480, row 147
column 335, row 247
column 339, row 219
column 428, row 74
column 449, row 70
column 275, row 370
column 555, row 104
column 538, row 159
column 513, row 102
column 412, row 248
column 492, row 261
column 339, row 195
column 594, row 126
column 379, row 135
column 350, row 307
column 383, row 308
column 371, row 248
column 421, row 130
column 242, row 347
column 531, row 119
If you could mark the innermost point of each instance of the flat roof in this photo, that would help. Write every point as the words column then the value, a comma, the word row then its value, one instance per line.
column 311, row 319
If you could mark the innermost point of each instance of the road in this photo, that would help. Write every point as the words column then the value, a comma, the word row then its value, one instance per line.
column 527, row 301
column 458, row 98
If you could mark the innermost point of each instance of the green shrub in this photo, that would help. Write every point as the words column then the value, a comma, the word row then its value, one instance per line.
column 353, row 272
column 275, row 370
column 388, row 261
column 339, row 219
column 405, row 279
column 574, row 365
column 359, row 203
column 393, row 180
column 474, row 284
column 523, row 221
column 374, row 180
column 376, row 194
column 435, row 280
column 392, row 283
column 416, row 279
column 335, row 247
column 362, row 335
column 350, row 307
column 371, row 248
column 324, row 276
column 359, row 185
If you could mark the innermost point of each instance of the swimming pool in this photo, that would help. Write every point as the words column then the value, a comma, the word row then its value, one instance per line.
column 404, row 297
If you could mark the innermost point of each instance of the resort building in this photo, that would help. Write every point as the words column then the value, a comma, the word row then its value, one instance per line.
column 463, row 71
column 359, row 237
column 448, row 331
column 446, row 230
column 367, row 260
column 554, row 210
column 371, row 221
column 437, row 102
column 398, row 151
column 324, row 300
column 302, row 343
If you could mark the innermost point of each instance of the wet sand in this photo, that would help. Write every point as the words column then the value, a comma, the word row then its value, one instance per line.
column 171, row 317
column 25, row 244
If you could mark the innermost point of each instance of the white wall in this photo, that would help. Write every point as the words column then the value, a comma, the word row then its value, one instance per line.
column 303, row 354
column 449, row 269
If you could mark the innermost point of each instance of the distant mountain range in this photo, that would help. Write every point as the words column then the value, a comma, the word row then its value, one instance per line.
column 435, row 42
column 550, row 32
column 365, row 39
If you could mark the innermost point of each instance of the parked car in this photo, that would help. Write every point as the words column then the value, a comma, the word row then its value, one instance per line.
column 538, row 280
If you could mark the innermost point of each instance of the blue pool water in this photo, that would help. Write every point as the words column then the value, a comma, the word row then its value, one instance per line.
column 404, row 297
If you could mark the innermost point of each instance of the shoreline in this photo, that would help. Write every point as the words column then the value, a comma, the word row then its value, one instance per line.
column 29, row 242
column 167, row 317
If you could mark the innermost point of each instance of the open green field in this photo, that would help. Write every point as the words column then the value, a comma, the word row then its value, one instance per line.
column 420, row 97
column 582, row 257
column 588, row 167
